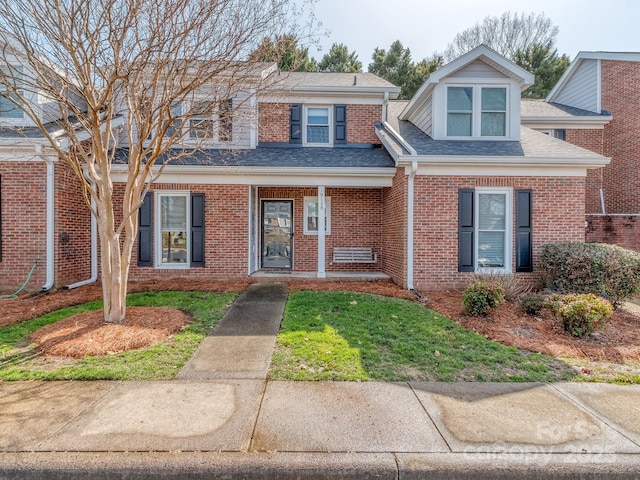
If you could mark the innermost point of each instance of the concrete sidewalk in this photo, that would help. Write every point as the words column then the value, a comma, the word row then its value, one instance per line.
column 259, row 429
column 223, row 419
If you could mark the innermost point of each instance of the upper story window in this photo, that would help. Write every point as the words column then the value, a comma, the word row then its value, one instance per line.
column 476, row 111
column 176, row 112
column 202, row 123
column 8, row 100
column 317, row 128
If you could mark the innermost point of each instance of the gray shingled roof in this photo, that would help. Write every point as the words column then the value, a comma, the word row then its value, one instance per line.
column 331, row 79
column 532, row 144
column 293, row 157
column 540, row 108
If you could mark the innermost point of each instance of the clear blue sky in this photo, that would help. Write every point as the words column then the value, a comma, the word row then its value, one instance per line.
column 426, row 26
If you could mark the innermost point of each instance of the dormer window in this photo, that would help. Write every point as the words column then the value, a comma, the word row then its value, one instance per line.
column 476, row 111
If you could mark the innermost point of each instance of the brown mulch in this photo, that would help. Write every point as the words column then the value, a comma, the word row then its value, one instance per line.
column 87, row 334
column 617, row 341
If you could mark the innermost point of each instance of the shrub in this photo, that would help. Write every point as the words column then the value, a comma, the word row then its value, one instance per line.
column 532, row 303
column 580, row 313
column 480, row 297
column 608, row 271
column 512, row 285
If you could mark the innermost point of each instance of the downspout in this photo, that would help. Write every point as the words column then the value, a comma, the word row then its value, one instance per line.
column 50, row 225
column 385, row 103
column 412, row 174
column 94, row 253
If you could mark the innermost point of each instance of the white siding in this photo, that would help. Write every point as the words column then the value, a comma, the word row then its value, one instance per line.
column 423, row 118
column 581, row 90
column 478, row 69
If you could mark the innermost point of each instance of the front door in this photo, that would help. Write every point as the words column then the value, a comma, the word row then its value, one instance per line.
column 277, row 234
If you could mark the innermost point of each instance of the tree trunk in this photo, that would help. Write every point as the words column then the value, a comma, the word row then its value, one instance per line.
column 114, row 289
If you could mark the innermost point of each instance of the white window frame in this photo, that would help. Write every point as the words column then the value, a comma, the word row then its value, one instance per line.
column 158, row 228
column 310, row 200
column 476, row 112
column 305, row 110
column 508, row 241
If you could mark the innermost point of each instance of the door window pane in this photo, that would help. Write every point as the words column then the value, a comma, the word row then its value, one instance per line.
column 276, row 234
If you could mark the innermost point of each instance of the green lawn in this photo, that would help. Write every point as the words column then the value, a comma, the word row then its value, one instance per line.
column 359, row 337
column 158, row 362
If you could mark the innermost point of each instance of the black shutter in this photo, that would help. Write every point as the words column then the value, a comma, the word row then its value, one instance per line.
column 197, row 230
column 340, row 121
column 145, row 216
column 295, row 123
column 524, row 250
column 465, row 230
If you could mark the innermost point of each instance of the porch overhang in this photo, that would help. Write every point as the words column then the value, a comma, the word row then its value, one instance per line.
column 267, row 176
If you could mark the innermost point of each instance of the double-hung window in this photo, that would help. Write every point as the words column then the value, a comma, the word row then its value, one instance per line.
column 476, row 111
column 317, row 126
column 311, row 215
column 173, row 229
column 176, row 122
column 9, row 99
column 494, row 229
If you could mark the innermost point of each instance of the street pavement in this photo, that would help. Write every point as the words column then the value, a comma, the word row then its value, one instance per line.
column 222, row 418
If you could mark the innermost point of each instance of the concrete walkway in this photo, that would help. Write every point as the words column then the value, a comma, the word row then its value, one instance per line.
column 241, row 344
column 223, row 419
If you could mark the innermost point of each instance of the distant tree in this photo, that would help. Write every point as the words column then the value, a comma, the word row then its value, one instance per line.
column 397, row 67
column 340, row 60
column 506, row 34
column 545, row 63
column 284, row 50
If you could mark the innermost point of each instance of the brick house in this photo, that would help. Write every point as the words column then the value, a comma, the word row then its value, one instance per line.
column 595, row 105
column 425, row 192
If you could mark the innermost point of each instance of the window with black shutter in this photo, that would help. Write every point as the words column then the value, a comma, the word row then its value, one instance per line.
column 295, row 123
column 524, row 228
column 466, row 244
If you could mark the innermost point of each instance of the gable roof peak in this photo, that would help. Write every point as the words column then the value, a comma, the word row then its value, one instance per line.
column 482, row 53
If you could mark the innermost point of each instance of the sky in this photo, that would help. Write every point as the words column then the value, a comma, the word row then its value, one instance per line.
column 426, row 26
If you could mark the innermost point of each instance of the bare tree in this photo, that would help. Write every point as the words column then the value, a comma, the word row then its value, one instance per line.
column 111, row 73
column 506, row 34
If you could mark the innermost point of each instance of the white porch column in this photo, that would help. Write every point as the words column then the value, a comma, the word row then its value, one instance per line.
column 322, row 209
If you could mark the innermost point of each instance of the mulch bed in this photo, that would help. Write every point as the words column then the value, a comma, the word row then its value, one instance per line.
column 87, row 334
column 618, row 341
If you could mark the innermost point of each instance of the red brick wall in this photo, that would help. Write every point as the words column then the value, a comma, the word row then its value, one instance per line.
column 356, row 221
column 621, row 96
column 226, row 234
column 591, row 139
column 73, row 229
column 558, row 215
column 360, row 121
column 623, row 231
column 273, row 120
column 394, row 229
column 23, row 200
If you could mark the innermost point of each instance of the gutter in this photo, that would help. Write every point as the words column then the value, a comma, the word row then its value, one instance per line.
column 50, row 224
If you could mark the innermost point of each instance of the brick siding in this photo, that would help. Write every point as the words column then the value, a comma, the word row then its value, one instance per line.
column 558, row 215
column 591, row 139
column 273, row 119
column 394, row 229
column 620, row 94
column 623, row 231
column 23, row 198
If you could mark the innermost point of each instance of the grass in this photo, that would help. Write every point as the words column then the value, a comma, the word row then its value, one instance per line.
column 157, row 362
column 360, row 337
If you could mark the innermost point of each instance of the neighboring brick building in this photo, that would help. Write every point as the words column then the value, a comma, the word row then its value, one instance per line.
column 604, row 86
column 426, row 192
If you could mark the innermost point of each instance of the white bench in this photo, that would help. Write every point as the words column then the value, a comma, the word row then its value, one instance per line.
column 354, row 255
